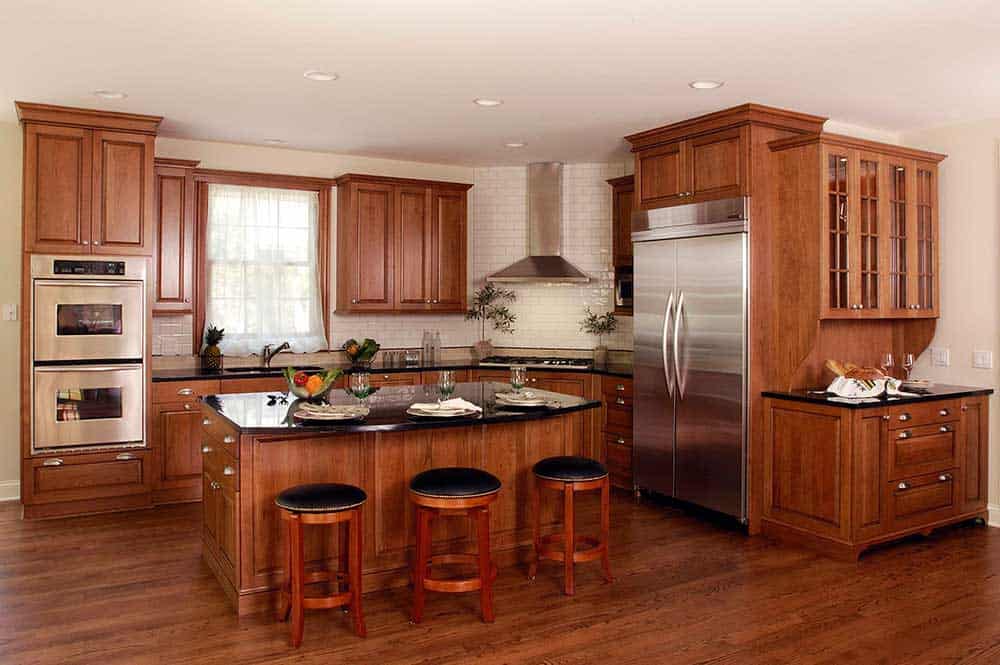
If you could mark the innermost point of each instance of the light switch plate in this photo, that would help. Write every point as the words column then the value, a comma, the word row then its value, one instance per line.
column 9, row 312
column 940, row 357
column 982, row 359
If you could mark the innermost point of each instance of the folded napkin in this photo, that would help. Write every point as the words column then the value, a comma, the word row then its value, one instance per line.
column 864, row 390
column 454, row 404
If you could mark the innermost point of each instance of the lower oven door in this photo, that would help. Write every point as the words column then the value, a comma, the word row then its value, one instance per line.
column 93, row 321
column 87, row 405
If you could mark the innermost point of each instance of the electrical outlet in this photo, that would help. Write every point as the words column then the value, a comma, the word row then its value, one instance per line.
column 940, row 357
column 9, row 312
column 982, row 359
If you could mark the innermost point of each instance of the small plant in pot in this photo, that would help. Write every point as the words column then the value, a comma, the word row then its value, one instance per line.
column 211, row 355
column 600, row 325
column 490, row 304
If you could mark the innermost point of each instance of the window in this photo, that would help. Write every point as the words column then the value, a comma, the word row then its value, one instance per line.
column 263, row 268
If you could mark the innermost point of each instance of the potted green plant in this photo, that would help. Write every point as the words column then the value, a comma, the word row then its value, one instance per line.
column 211, row 355
column 490, row 304
column 600, row 325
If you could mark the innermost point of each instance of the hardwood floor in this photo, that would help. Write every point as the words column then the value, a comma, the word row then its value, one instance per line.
column 131, row 588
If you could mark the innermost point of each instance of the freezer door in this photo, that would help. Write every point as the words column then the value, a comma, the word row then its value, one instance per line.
column 709, row 341
column 653, row 402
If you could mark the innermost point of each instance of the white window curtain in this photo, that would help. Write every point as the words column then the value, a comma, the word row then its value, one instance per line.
column 262, row 261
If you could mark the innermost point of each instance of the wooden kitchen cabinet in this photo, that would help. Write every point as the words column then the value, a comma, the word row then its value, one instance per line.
column 401, row 245
column 88, row 180
column 174, row 205
column 875, row 206
column 843, row 479
column 176, row 437
column 622, row 199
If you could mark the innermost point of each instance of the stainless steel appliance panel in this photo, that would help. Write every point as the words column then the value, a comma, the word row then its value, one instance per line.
column 653, row 401
column 87, row 405
column 88, row 320
column 709, row 341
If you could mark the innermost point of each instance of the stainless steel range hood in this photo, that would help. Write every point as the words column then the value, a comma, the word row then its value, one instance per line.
column 544, row 262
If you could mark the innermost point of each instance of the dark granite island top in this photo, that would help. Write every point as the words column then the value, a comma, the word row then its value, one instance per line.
column 262, row 413
column 935, row 392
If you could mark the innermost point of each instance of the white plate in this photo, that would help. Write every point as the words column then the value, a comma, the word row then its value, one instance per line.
column 517, row 400
column 330, row 412
column 441, row 413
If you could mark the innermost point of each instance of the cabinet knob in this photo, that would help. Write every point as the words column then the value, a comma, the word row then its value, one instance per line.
column 187, row 300
column 944, row 412
column 886, row 417
column 228, row 471
column 187, row 407
column 206, row 422
column 902, row 486
column 905, row 434
column 354, row 301
column 944, row 428
column 965, row 408
column 620, row 387
column 214, row 485
column 435, row 302
column 206, row 450
column 228, row 439
column 385, row 377
column 52, row 462
column 428, row 301
column 97, row 242
column 619, row 400
column 904, row 417
column 620, row 442
column 944, row 477
column 85, row 242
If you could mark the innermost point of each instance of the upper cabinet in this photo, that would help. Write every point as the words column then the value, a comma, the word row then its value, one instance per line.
column 88, row 180
column 401, row 245
column 174, row 235
column 875, row 206
column 622, row 197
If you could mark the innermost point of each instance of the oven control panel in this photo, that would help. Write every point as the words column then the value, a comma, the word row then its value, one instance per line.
column 69, row 267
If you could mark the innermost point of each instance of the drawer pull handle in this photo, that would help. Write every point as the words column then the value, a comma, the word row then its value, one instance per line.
column 206, row 450
column 621, row 442
column 902, row 486
column 206, row 422
column 905, row 434
column 944, row 477
column 228, row 471
column 385, row 376
column 886, row 417
column 228, row 439
column 187, row 407
column 620, row 387
column 965, row 408
column 944, row 412
column 214, row 485
column 186, row 391
column 619, row 400
column 904, row 417
column 124, row 456
column 52, row 462
column 944, row 428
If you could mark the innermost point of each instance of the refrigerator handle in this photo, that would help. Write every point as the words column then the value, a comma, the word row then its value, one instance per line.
column 677, row 350
column 663, row 340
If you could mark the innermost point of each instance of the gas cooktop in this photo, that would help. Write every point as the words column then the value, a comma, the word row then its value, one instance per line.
column 536, row 361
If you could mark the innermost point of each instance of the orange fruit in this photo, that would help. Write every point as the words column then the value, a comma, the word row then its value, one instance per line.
column 314, row 384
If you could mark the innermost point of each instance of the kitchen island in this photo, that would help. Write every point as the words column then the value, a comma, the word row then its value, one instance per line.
column 253, row 448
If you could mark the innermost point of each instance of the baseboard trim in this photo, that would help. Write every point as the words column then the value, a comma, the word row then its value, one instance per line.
column 994, row 518
column 10, row 490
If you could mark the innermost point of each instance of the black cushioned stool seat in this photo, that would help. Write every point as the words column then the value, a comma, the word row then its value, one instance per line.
column 570, row 468
column 455, row 482
column 321, row 498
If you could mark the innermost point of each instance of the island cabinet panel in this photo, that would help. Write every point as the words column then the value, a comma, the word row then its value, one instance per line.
column 842, row 479
column 401, row 245
column 177, row 441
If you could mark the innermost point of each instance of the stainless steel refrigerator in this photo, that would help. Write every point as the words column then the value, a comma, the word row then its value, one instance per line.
column 691, row 376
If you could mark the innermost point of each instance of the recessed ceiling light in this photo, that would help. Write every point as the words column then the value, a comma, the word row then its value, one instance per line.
column 275, row 141
column 516, row 144
column 110, row 94
column 482, row 101
column 319, row 75
column 706, row 85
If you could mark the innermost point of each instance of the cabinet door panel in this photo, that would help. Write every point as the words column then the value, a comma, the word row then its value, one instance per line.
column 174, row 205
column 660, row 176
column 57, row 189
column 122, row 193
column 871, row 433
column 926, row 240
column 372, row 212
column 838, row 260
column 899, row 233
column 413, row 247
column 975, row 434
column 178, row 431
column 867, row 242
column 714, row 165
column 622, row 225
column 449, row 235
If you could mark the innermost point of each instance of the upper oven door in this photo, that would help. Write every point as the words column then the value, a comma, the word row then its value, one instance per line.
column 88, row 320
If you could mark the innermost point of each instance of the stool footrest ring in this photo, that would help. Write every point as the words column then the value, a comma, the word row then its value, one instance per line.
column 551, row 548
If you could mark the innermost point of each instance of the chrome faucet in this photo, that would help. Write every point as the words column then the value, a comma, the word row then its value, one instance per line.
column 268, row 353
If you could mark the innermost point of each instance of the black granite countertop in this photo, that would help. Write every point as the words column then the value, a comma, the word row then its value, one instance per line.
column 261, row 413
column 196, row 373
column 935, row 392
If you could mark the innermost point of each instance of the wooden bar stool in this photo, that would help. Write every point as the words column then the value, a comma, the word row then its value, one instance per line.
column 445, row 492
column 322, row 503
column 568, row 475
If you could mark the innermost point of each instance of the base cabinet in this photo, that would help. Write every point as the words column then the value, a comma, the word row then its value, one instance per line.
column 843, row 479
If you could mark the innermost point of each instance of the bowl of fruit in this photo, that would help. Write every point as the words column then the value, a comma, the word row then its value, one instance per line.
column 310, row 385
column 361, row 353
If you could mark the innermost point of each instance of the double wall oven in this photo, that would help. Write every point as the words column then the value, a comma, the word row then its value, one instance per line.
column 88, row 346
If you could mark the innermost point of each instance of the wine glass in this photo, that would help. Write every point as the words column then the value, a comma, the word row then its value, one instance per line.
column 360, row 385
column 908, row 361
column 518, row 377
column 446, row 383
column 887, row 363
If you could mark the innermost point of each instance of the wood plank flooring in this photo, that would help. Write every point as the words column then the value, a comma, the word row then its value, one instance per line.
column 130, row 588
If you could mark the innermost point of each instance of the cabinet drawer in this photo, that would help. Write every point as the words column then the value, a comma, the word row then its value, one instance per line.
column 613, row 387
column 924, row 449
column 922, row 499
column 618, row 439
column 259, row 384
column 619, row 462
column 395, row 379
column 618, row 419
column 220, row 466
column 176, row 391
column 90, row 476
column 927, row 413
column 431, row 378
column 216, row 430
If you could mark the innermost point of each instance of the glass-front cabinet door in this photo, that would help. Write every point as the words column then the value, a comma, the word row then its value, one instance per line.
column 924, row 244
column 900, row 232
column 869, row 239
column 839, row 255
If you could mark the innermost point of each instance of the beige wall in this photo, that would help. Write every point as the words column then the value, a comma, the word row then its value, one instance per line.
column 970, row 271
column 212, row 155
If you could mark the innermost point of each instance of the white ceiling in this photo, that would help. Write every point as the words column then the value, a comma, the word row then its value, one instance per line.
column 575, row 76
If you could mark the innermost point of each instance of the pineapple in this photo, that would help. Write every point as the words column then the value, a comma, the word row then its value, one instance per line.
column 211, row 357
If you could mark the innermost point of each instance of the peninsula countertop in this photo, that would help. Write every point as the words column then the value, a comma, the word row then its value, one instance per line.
column 273, row 413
